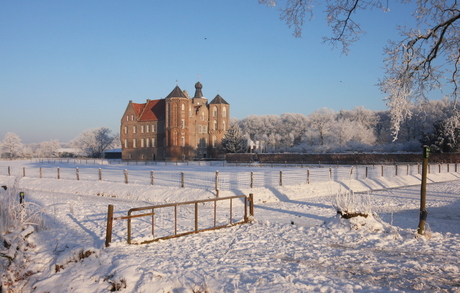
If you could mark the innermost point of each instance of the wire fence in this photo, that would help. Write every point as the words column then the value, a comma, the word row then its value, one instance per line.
column 200, row 176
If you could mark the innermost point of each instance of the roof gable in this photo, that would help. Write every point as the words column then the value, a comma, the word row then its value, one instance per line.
column 176, row 93
column 218, row 100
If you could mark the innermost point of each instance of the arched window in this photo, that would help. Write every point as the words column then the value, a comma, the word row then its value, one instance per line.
column 215, row 124
column 224, row 111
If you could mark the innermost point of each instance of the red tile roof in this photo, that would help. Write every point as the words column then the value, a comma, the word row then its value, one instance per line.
column 153, row 111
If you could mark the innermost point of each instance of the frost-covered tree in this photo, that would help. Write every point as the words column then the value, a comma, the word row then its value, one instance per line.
column 234, row 140
column 11, row 146
column 425, row 58
column 49, row 149
column 94, row 142
column 319, row 124
column 445, row 136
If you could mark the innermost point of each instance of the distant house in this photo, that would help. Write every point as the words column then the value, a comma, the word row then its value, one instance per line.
column 175, row 128
column 113, row 154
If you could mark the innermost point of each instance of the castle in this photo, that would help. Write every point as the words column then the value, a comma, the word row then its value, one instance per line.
column 175, row 128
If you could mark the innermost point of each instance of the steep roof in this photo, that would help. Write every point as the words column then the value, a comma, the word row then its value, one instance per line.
column 218, row 100
column 176, row 93
column 138, row 108
column 153, row 110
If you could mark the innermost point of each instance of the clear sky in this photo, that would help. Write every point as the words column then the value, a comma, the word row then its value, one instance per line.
column 68, row 66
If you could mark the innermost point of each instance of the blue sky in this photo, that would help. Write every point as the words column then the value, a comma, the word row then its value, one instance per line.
column 68, row 66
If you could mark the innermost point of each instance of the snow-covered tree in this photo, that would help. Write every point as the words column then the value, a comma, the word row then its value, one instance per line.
column 445, row 137
column 94, row 142
column 234, row 141
column 49, row 149
column 319, row 124
column 11, row 146
column 425, row 58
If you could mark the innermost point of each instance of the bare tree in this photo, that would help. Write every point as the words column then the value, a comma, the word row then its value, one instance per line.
column 426, row 58
column 94, row 142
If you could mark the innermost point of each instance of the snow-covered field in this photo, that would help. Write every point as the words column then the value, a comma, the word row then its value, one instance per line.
column 295, row 244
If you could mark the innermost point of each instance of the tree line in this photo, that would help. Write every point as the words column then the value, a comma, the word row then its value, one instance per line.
column 357, row 130
column 90, row 143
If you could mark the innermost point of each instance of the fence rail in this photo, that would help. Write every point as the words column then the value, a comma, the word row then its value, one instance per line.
column 248, row 203
column 230, row 178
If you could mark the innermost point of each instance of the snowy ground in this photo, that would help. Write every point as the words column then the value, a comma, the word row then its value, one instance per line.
column 295, row 244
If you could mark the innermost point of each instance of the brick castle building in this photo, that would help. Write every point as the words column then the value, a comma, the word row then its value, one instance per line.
column 175, row 128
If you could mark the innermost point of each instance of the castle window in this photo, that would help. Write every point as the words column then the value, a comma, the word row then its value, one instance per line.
column 202, row 116
column 134, row 143
column 142, row 129
column 182, row 107
column 134, row 128
column 153, row 128
column 214, row 111
column 126, row 129
column 132, row 117
column 182, row 123
column 127, row 117
column 147, row 142
column 147, row 128
column 215, row 124
column 142, row 143
column 224, row 112
column 153, row 143
column 183, row 141
column 214, row 141
column 126, row 143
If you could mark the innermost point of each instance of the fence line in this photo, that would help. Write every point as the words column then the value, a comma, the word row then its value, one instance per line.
column 233, row 179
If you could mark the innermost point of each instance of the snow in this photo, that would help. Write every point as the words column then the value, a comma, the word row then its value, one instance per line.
column 296, row 242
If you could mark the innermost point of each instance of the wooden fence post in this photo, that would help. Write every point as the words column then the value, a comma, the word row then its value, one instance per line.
column 351, row 172
column 23, row 171
column 382, row 171
column 252, row 179
column 58, row 173
column 281, row 178
column 182, row 179
column 9, row 170
column 108, row 235
column 367, row 172
column 330, row 173
column 251, row 205
column 126, row 176
column 396, row 169
column 152, row 177
column 308, row 176
column 100, row 174
column 41, row 173
column 77, row 172
column 217, row 183
column 407, row 170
